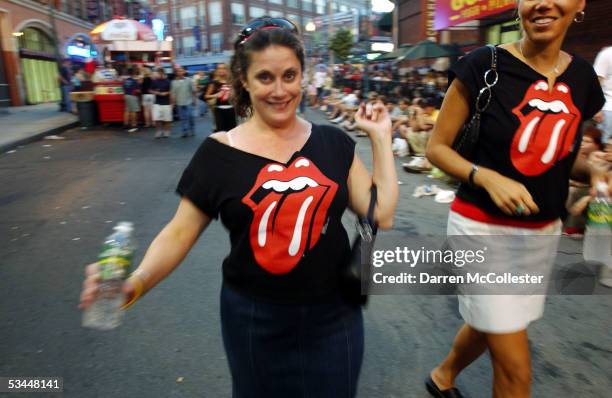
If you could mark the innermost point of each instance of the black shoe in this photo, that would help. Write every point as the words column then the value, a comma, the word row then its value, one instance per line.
column 433, row 389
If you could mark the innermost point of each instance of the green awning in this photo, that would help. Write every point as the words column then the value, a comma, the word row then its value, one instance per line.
column 394, row 55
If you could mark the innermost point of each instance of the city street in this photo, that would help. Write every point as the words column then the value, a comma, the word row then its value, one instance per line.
column 61, row 198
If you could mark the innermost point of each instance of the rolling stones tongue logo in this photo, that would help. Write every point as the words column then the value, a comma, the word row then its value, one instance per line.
column 549, row 122
column 290, row 208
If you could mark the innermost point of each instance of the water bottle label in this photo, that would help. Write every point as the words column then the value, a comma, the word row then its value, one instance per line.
column 113, row 267
column 599, row 214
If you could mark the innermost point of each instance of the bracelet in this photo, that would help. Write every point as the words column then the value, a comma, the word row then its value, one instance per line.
column 471, row 176
column 139, row 287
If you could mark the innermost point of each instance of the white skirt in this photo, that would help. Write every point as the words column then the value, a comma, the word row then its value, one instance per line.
column 506, row 313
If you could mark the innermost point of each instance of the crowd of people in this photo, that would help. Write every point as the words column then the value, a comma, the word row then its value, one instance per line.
column 154, row 98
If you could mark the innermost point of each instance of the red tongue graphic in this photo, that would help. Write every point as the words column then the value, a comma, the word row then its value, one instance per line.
column 285, row 223
column 281, row 228
column 544, row 137
column 549, row 140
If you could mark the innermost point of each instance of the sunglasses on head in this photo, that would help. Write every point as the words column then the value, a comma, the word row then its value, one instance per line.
column 264, row 24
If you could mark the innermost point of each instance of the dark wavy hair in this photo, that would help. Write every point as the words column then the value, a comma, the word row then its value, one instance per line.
column 241, row 60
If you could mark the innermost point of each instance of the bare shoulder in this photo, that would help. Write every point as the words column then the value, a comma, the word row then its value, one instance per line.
column 220, row 136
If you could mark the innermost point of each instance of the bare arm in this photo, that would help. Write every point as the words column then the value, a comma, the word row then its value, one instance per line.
column 507, row 194
column 164, row 254
column 378, row 127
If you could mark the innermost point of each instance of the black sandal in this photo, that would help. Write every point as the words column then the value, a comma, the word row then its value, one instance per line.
column 433, row 389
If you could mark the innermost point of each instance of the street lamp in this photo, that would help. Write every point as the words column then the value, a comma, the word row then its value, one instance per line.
column 310, row 27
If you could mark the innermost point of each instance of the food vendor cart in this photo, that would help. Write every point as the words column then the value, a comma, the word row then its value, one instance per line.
column 123, row 43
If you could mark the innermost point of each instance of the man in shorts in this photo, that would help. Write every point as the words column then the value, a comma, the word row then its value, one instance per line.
column 162, row 110
column 131, row 89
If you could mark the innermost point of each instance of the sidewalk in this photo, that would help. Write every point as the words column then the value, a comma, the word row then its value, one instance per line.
column 23, row 124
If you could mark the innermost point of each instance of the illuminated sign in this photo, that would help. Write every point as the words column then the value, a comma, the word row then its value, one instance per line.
column 430, row 13
column 158, row 27
column 454, row 12
column 78, row 51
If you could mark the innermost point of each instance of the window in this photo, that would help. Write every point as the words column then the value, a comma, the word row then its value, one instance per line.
column 188, row 45
column 343, row 8
column 307, row 5
column 216, row 40
column 163, row 15
column 238, row 13
column 161, row 1
column 276, row 1
column 188, row 17
column 276, row 14
column 294, row 18
column 320, row 6
column 202, row 14
column 215, row 14
column 292, row 3
column 256, row 12
column 204, row 42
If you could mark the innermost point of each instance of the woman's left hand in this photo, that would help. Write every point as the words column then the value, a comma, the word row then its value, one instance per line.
column 374, row 120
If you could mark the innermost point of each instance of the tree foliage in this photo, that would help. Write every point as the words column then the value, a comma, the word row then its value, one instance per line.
column 341, row 44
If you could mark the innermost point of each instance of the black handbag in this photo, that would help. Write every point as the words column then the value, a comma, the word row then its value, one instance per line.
column 355, row 274
column 467, row 140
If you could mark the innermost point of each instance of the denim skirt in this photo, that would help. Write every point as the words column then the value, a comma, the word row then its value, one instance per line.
column 291, row 350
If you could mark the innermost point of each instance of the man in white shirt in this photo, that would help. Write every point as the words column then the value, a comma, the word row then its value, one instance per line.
column 603, row 68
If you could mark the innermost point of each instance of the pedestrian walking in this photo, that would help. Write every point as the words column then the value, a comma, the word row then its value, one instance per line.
column 516, row 183
column 280, row 186
column 131, row 90
column 65, row 82
column 219, row 92
column 148, row 99
column 183, row 96
column 603, row 67
column 162, row 110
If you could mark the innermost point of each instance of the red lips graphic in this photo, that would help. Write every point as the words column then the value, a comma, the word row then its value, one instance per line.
column 290, row 208
column 549, row 122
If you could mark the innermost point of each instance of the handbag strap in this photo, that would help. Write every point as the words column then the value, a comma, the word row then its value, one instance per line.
column 490, row 75
column 369, row 220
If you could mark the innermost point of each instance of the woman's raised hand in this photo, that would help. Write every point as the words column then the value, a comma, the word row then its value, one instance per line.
column 374, row 120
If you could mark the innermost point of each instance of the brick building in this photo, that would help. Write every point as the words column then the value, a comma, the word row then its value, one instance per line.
column 493, row 21
column 28, row 32
column 203, row 30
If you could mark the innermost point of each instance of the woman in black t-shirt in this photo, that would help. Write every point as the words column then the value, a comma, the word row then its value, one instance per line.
column 219, row 91
column 517, row 184
column 280, row 186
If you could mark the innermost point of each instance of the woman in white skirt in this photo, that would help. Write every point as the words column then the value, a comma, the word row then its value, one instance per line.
column 516, row 182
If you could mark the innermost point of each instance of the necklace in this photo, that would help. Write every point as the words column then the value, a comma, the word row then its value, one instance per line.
column 555, row 69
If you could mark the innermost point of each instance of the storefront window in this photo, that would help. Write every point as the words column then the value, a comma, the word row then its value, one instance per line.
column 36, row 40
column 506, row 32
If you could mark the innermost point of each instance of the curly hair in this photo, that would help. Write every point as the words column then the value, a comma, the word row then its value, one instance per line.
column 241, row 60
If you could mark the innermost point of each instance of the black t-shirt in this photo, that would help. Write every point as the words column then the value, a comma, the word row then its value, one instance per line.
column 286, row 233
column 146, row 84
column 162, row 85
column 527, row 133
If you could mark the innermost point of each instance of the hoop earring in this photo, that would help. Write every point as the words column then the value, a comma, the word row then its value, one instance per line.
column 579, row 18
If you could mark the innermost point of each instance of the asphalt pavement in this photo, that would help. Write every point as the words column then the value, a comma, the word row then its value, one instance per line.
column 60, row 199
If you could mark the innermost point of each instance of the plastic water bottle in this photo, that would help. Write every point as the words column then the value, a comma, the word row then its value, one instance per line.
column 598, row 235
column 115, row 260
